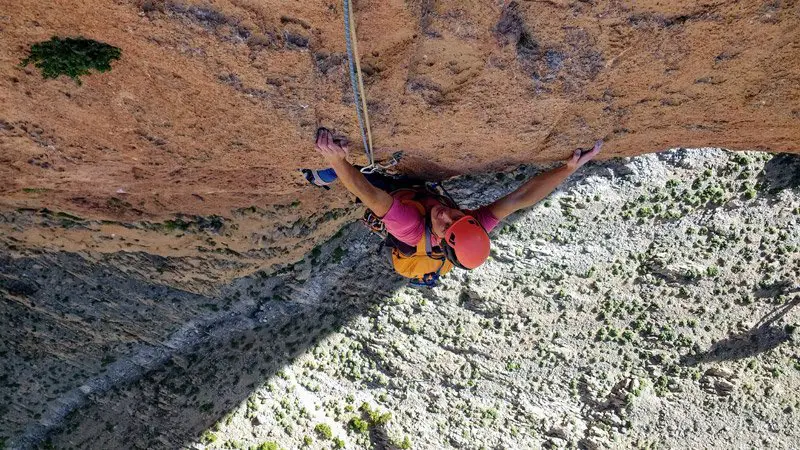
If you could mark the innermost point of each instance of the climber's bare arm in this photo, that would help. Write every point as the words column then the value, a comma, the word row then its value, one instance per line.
column 377, row 200
column 540, row 186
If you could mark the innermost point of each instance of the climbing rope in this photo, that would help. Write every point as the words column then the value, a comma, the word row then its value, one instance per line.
column 358, row 91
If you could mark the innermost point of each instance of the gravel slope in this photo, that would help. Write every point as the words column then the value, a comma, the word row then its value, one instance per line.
column 647, row 304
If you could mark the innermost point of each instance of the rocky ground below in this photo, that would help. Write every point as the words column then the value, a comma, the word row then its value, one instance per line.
column 648, row 303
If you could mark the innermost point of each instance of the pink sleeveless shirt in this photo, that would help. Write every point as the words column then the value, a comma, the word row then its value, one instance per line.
column 406, row 223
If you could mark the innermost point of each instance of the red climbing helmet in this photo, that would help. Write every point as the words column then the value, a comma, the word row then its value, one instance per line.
column 466, row 244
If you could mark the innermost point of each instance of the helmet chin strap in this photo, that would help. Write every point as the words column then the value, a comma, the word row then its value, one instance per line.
column 429, row 224
column 439, row 238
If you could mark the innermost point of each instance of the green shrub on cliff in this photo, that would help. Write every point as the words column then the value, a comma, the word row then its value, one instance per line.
column 71, row 56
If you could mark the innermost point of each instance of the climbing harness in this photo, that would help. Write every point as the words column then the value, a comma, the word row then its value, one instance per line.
column 419, row 263
column 357, row 81
column 429, row 279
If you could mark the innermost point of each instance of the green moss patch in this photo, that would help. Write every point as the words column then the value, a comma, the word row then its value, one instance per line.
column 72, row 57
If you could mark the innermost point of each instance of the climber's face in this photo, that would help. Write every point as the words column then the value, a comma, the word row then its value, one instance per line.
column 442, row 217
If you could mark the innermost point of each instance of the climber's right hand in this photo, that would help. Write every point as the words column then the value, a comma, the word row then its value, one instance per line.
column 331, row 149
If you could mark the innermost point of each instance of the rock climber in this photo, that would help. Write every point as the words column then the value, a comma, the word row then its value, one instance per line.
column 428, row 233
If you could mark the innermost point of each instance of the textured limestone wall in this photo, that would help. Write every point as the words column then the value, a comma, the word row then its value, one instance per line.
column 213, row 105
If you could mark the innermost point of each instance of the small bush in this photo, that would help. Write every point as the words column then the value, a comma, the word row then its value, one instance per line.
column 209, row 437
column 324, row 430
column 269, row 445
column 73, row 57
column 359, row 425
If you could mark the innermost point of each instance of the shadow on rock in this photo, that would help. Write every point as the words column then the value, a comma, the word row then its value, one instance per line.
column 170, row 391
column 379, row 439
column 782, row 172
column 764, row 336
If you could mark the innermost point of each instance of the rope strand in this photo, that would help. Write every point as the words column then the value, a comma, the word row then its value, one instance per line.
column 360, row 99
column 358, row 84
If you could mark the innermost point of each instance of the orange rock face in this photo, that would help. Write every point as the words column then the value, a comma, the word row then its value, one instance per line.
column 213, row 106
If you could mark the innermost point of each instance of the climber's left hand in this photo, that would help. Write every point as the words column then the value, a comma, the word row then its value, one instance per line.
column 580, row 157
